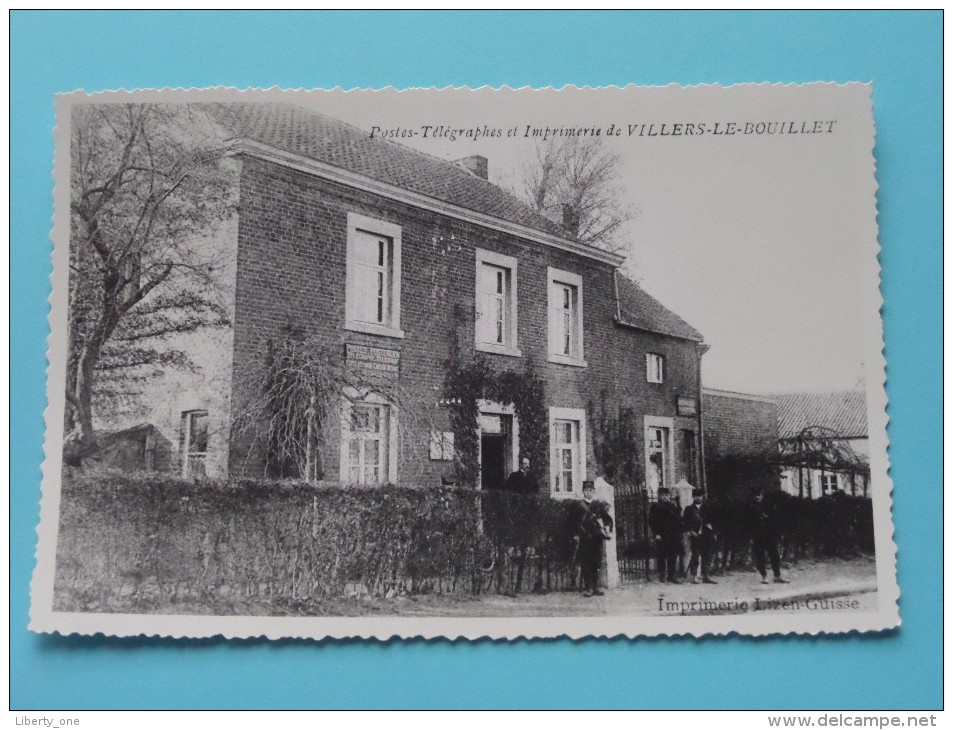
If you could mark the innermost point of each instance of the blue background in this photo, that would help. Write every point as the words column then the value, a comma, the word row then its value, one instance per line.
column 900, row 52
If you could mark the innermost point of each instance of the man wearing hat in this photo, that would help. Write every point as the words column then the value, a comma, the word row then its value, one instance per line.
column 591, row 527
column 764, row 536
column 665, row 523
column 701, row 535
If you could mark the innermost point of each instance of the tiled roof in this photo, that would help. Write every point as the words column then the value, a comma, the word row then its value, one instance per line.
column 844, row 413
column 638, row 309
column 333, row 142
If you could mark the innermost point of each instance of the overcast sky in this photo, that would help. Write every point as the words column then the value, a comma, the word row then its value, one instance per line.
column 766, row 244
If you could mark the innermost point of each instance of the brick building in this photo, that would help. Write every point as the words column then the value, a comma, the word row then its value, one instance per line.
column 389, row 259
column 741, row 436
column 831, row 429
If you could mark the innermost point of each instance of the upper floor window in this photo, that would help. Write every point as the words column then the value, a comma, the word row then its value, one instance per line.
column 496, row 315
column 565, row 318
column 654, row 368
column 372, row 294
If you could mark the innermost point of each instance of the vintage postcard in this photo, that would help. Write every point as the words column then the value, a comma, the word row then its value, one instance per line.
column 466, row 363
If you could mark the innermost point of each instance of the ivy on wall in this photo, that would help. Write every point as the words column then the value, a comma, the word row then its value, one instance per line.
column 616, row 443
column 467, row 383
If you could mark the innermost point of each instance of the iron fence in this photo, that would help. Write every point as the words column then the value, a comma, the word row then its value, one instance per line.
column 633, row 543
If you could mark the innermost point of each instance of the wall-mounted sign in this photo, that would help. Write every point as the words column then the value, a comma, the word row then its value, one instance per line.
column 373, row 360
column 687, row 406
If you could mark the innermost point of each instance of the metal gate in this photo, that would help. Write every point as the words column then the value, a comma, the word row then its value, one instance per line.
column 633, row 543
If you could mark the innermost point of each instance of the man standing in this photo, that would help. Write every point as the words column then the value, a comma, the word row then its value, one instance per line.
column 665, row 524
column 591, row 527
column 764, row 537
column 701, row 535
column 522, row 481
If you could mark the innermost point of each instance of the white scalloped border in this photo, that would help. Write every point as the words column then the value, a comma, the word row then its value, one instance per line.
column 44, row 620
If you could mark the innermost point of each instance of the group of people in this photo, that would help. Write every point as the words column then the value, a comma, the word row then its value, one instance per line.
column 676, row 534
column 590, row 526
column 693, row 531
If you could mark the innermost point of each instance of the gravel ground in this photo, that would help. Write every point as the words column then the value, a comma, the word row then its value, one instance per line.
column 855, row 578
column 830, row 579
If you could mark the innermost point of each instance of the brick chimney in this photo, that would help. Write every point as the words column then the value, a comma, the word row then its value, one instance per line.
column 477, row 164
column 570, row 219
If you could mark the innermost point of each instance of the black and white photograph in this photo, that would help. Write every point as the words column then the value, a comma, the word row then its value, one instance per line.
column 466, row 363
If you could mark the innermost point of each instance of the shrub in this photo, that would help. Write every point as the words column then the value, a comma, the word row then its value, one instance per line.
column 833, row 526
column 147, row 542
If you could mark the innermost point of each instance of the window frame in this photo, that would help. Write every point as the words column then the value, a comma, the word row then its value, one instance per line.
column 650, row 376
column 558, row 277
column 824, row 477
column 187, row 454
column 357, row 224
column 351, row 398
column 578, row 416
column 510, row 346
column 668, row 450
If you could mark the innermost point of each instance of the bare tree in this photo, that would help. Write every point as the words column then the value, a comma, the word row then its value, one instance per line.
column 147, row 187
column 822, row 449
column 575, row 182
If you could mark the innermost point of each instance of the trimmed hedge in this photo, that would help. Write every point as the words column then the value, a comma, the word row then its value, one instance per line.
column 131, row 542
column 832, row 526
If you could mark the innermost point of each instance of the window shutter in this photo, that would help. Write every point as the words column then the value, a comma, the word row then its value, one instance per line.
column 555, row 319
column 483, row 324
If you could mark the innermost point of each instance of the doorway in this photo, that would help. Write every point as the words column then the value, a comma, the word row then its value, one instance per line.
column 496, row 447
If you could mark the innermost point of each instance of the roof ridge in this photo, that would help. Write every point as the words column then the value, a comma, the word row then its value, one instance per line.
column 694, row 335
column 403, row 148
column 849, row 391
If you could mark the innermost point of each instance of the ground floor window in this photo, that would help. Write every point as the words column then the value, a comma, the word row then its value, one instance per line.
column 195, row 443
column 829, row 483
column 368, row 441
column 367, row 445
column 568, row 441
column 657, row 463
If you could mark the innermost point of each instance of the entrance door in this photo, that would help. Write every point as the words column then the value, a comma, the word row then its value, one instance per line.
column 492, row 461
column 495, row 449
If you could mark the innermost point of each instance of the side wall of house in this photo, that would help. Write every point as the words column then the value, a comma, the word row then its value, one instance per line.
column 291, row 272
column 165, row 399
column 738, row 429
